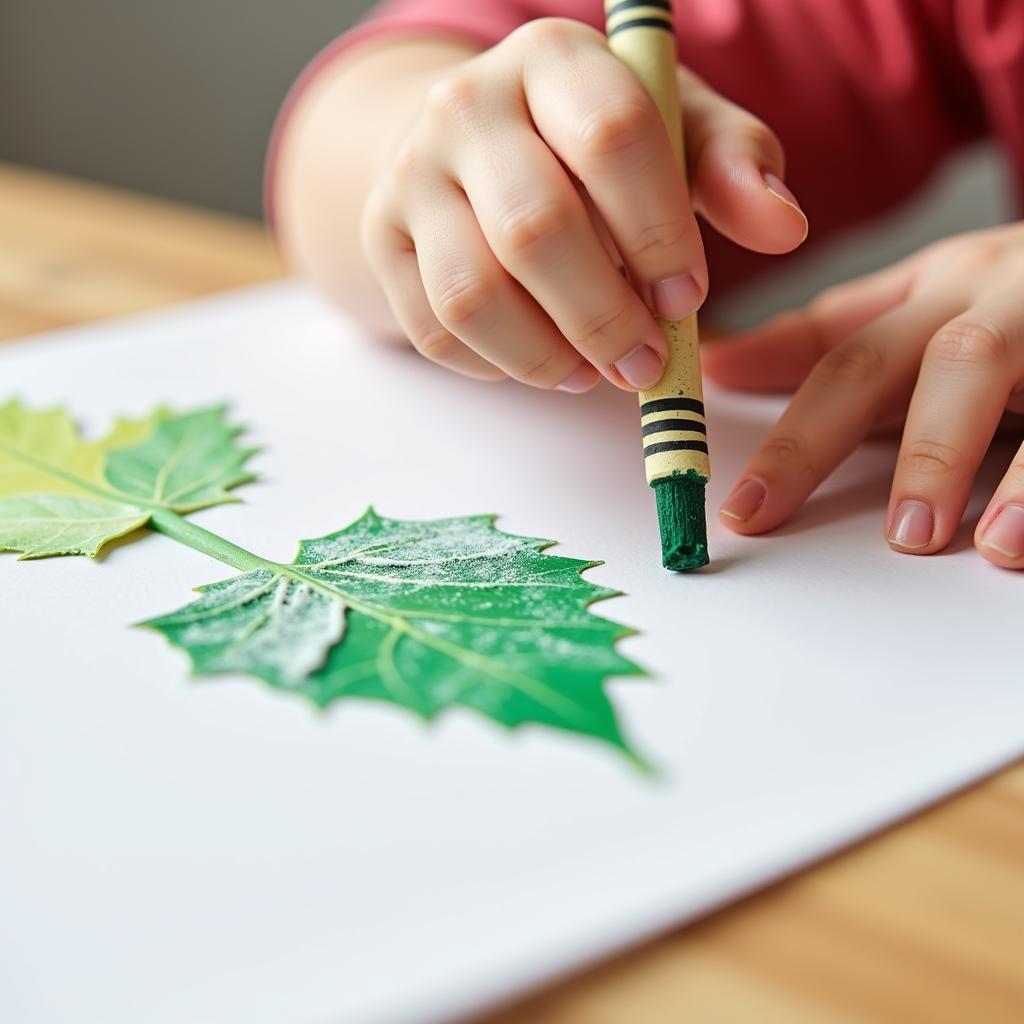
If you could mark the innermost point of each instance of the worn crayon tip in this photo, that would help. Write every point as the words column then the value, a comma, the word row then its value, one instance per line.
column 682, row 520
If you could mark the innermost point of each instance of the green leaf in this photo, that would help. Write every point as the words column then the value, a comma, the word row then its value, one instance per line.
column 425, row 615
column 63, row 495
column 437, row 613
column 188, row 462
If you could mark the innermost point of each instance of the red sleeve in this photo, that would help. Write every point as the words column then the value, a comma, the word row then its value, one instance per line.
column 867, row 96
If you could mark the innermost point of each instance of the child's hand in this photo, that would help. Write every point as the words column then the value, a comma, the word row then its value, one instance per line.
column 937, row 339
column 489, row 233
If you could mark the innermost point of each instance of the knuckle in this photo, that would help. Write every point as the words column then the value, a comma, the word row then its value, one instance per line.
column 453, row 98
column 975, row 254
column 760, row 138
column 407, row 162
column 788, row 451
column 935, row 257
column 736, row 128
column 538, row 373
column 437, row 344
column 525, row 230
column 659, row 238
column 598, row 335
column 827, row 299
column 924, row 457
column 960, row 257
column 550, row 32
column 855, row 362
column 615, row 130
column 462, row 300
column 970, row 342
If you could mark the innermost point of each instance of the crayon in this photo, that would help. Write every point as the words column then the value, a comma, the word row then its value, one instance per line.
column 641, row 34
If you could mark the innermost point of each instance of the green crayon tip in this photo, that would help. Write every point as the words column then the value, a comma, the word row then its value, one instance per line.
column 684, row 530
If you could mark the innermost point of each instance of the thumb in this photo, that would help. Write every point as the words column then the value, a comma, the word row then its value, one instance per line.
column 736, row 167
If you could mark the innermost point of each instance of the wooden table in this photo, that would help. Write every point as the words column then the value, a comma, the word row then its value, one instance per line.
column 924, row 923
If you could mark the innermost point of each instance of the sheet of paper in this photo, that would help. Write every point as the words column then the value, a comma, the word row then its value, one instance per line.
column 214, row 851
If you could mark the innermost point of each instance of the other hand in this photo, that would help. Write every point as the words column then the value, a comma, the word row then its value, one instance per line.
column 935, row 342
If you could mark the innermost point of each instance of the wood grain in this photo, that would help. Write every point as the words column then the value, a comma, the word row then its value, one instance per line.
column 71, row 252
column 922, row 924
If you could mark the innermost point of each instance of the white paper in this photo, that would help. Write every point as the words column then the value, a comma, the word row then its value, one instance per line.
column 209, row 851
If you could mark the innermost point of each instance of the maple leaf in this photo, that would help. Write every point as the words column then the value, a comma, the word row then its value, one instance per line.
column 188, row 462
column 422, row 614
column 63, row 495
column 425, row 615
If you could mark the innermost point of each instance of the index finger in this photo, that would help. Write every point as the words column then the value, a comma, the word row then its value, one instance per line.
column 599, row 120
column 832, row 413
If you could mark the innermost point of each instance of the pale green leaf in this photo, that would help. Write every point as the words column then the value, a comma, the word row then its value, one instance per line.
column 43, row 452
column 63, row 495
column 40, row 525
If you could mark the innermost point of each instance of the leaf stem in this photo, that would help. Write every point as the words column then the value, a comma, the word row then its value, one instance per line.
column 185, row 532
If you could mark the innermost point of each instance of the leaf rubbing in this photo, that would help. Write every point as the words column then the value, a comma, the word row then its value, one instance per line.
column 263, row 622
column 436, row 613
column 426, row 615
column 62, row 495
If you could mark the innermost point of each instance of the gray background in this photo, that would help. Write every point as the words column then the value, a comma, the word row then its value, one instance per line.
column 171, row 98
column 178, row 99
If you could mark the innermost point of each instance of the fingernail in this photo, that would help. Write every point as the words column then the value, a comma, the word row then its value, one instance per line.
column 778, row 188
column 1006, row 534
column 583, row 378
column 676, row 297
column 913, row 525
column 642, row 368
column 745, row 500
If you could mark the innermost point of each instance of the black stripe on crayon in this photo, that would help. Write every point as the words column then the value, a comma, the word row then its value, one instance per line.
column 672, row 405
column 676, row 446
column 660, row 425
column 624, row 5
column 665, row 23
